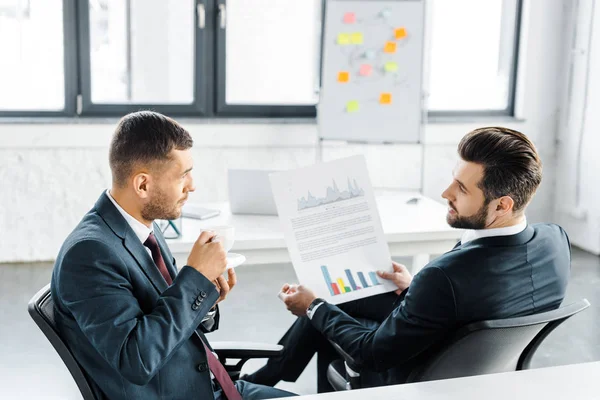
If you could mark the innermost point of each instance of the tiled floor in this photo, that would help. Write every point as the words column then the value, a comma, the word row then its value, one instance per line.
column 30, row 369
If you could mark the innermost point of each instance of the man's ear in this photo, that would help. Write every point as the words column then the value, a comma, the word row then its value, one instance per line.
column 141, row 181
column 504, row 206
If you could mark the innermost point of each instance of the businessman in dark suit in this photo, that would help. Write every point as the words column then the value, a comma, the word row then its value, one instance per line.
column 503, row 267
column 132, row 321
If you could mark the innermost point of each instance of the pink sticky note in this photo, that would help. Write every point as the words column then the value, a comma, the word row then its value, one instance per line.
column 349, row 18
column 365, row 70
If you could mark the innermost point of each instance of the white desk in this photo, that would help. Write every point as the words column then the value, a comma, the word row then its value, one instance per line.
column 416, row 230
column 575, row 382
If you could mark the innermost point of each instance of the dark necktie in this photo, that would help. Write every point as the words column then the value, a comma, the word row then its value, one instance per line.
column 221, row 375
column 214, row 364
column 152, row 244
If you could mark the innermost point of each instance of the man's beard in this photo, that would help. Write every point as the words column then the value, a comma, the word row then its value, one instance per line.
column 159, row 207
column 477, row 221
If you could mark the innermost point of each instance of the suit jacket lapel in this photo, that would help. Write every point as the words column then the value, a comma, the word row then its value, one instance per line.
column 138, row 251
column 121, row 228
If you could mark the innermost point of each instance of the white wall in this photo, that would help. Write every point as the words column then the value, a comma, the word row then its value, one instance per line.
column 579, row 140
column 51, row 174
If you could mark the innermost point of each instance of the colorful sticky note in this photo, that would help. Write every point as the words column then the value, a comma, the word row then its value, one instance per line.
column 356, row 38
column 365, row 70
column 343, row 38
column 349, row 18
column 390, row 47
column 352, row 106
column 343, row 77
column 385, row 98
column 400, row 33
column 390, row 66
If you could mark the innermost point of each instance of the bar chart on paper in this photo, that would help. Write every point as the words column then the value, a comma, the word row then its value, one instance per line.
column 348, row 283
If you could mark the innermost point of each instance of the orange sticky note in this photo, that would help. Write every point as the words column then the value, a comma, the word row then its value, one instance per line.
column 400, row 33
column 385, row 98
column 343, row 77
column 365, row 70
column 390, row 47
column 349, row 18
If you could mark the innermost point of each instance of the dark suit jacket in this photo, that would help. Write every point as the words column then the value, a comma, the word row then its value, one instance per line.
column 488, row 278
column 134, row 336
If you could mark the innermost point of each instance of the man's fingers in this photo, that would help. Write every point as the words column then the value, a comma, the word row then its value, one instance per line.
column 205, row 237
column 399, row 267
column 231, row 278
column 385, row 275
column 224, row 286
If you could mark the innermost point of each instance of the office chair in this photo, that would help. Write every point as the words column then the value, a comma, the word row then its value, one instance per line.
column 41, row 309
column 479, row 348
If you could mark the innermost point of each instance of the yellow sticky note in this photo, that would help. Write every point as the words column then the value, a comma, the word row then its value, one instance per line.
column 390, row 66
column 356, row 38
column 343, row 77
column 400, row 33
column 390, row 47
column 343, row 39
column 385, row 98
column 352, row 106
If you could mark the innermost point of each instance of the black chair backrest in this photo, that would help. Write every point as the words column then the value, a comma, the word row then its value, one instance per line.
column 495, row 346
column 41, row 309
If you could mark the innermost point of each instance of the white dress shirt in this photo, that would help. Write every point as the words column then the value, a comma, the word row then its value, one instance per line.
column 472, row 234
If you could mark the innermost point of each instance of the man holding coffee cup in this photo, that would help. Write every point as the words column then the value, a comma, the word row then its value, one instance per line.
column 133, row 322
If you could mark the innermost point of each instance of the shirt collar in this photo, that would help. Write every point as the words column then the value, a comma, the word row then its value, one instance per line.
column 472, row 234
column 141, row 231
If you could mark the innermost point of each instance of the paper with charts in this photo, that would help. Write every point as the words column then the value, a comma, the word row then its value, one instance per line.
column 332, row 229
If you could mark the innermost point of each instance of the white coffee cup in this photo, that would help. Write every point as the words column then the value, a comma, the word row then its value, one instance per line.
column 223, row 234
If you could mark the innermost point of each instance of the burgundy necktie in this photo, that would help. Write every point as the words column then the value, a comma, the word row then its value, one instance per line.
column 221, row 375
column 152, row 244
column 214, row 364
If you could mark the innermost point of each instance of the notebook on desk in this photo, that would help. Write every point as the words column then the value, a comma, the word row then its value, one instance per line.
column 191, row 210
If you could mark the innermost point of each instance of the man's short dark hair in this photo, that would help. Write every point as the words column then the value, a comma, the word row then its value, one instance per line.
column 144, row 137
column 511, row 164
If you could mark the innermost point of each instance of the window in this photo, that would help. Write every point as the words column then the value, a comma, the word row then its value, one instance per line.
column 251, row 58
column 473, row 56
column 272, row 53
column 139, row 53
column 32, row 59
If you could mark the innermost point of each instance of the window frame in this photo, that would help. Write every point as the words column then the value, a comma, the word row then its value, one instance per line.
column 243, row 110
column 509, row 110
column 210, row 93
column 70, row 70
column 198, row 108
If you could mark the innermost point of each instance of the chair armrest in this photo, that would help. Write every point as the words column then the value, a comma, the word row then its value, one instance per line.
column 246, row 350
column 347, row 358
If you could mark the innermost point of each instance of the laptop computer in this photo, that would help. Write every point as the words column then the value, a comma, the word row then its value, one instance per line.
column 250, row 192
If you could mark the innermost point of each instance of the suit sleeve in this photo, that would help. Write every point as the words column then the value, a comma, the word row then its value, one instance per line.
column 425, row 316
column 93, row 284
column 210, row 323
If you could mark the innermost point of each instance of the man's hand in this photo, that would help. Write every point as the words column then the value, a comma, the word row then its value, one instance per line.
column 401, row 277
column 208, row 258
column 225, row 286
column 297, row 298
